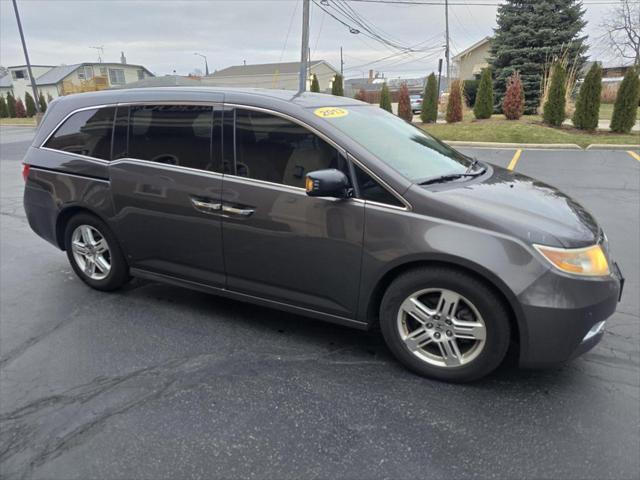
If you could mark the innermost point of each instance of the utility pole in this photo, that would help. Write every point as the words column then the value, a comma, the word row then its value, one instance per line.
column 304, row 51
column 26, row 57
column 341, row 62
column 446, row 48
column 439, row 75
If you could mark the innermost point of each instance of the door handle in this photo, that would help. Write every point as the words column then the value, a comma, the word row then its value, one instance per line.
column 244, row 212
column 206, row 207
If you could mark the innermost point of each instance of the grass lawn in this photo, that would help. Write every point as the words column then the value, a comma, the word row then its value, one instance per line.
column 18, row 121
column 526, row 130
column 606, row 110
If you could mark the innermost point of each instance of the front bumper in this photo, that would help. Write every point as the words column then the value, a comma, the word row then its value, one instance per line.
column 562, row 316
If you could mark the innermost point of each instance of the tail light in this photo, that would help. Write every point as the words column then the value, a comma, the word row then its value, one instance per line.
column 25, row 171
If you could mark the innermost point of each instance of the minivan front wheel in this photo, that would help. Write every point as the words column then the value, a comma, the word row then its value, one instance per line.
column 94, row 253
column 445, row 324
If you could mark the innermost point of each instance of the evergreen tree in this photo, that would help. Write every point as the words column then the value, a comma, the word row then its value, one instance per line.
column 337, row 87
column 624, row 110
column 529, row 34
column 4, row 110
column 315, row 85
column 513, row 101
column 554, row 107
column 11, row 105
column 587, row 110
column 429, row 112
column 30, row 104
column 483, row 107
column 43, row 104
column 21, row 112
column 454, row 105
column 404, row 104
column 385, row 98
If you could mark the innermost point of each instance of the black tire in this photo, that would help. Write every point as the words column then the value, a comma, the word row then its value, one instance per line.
column 490, row 306
column 119, row 272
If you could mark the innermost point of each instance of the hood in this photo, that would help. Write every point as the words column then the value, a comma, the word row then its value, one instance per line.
column 516, row 205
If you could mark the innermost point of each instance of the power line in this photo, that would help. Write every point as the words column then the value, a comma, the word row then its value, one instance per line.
column 474, row 4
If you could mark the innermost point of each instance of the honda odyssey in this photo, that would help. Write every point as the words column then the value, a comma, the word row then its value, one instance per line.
column 326, row 207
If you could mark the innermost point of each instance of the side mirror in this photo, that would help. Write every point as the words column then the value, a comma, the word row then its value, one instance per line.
column 327, row 183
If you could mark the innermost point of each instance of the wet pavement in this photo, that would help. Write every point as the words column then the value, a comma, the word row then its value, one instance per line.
column 155, row 381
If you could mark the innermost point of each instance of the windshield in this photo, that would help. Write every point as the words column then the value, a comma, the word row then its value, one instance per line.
column 407, row 149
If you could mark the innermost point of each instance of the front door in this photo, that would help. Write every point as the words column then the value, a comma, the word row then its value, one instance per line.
column 280, row 243
column 167, row 187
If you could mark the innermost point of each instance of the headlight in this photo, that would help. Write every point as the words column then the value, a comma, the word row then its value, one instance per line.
column 589, row 261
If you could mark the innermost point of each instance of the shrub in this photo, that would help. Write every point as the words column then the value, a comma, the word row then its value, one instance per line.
column 588, row 104
column 513, row 101
column 11, row 105
column 429, row 112
column 385, row 98
column 43, row 104
column 30, row 104
column 609, row 92
column 483, row 107
column 337, row 87
column 361, row 95
column 315, row 85
column 454, row 105
column 471, row 92
column 4, row 110
column 49, row 98
column 404, row 104
column 554, row 107
column 21, row 112
column 624, row 110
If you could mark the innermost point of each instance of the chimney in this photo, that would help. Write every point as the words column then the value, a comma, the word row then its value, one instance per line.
column 123, row 59
column 371, row 76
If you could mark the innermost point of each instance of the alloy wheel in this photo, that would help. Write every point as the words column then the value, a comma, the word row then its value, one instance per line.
column 441, row 327
column 91, row 252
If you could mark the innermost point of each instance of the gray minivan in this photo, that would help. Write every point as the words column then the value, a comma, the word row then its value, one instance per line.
column 326, row 207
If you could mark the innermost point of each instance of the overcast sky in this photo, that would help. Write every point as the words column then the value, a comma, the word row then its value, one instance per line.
column 164, row 34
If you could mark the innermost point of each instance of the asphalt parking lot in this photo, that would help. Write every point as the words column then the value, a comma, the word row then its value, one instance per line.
column 159, row 382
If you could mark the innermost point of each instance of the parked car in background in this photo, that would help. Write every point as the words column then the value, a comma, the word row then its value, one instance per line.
column 327, row 207
column 416, row 103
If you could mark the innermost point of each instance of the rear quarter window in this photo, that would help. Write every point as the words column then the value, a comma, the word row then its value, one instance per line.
column 87, row 133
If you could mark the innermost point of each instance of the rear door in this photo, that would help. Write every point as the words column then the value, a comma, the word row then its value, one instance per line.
column 280, row 243
column 167, row 185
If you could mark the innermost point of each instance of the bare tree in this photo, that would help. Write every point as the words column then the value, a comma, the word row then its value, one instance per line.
column 622, row 27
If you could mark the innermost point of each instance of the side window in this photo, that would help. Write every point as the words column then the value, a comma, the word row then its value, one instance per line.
column 172, row 134
column 87, row 132
column 371, row 190
column 277, row 150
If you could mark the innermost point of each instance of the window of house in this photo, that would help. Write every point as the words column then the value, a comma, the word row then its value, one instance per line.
column 274, row 149
column 85, row 73
column 173, row 134
column 85, row 133
column 371, row 190
column 140, row 74
column 103, row 71
column 19, row 75
column 116, row 76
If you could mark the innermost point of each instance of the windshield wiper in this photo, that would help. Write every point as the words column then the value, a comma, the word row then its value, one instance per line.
column 474, row 162
column 451, row 176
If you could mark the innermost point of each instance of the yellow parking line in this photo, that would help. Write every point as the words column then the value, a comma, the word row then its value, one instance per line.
column 634, row 154
column 515, row 159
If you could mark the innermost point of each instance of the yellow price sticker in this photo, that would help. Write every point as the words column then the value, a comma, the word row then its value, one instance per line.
column 331, row 112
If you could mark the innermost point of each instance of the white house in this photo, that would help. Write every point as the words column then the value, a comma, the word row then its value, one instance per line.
column 468, row 64
column 282, row 76
column 66, row 79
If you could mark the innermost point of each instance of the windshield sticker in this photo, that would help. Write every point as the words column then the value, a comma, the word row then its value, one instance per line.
column 331, row 112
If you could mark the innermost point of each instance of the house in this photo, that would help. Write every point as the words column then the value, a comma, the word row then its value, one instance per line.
column 271, row 75
column 163, row 81
column 468, row 64
column 66, row 79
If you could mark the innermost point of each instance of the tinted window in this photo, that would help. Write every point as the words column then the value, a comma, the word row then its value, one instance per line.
column 274, row 149
column 86, row 133
column 371, row 190
column 172, row 134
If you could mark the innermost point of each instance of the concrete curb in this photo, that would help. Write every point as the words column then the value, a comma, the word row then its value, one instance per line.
column 17, row 125
column 604, row 146
column 549, row 146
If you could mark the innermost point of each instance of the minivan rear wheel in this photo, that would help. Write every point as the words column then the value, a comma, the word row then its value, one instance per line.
column 94, row 253
column 445, row 324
